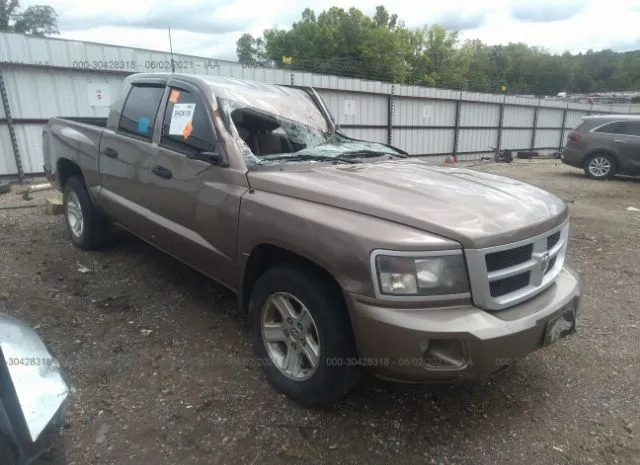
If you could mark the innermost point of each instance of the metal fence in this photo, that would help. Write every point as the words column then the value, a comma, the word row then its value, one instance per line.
column 43, row 77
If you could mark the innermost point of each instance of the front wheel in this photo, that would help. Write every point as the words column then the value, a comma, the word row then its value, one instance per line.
column 302, row 336
column 600, row 166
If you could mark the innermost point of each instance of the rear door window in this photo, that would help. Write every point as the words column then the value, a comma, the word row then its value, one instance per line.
column 633, row 128
column 187, row 127
column 628, row 128
column 140, row 110
column 611, row 128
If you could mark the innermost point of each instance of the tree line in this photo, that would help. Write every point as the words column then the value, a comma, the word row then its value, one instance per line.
column 36, row 20
column 351, row 44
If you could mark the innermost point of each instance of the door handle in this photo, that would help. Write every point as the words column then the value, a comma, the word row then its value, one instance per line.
column 111, row 153
column 162, row 172
column 619, row 141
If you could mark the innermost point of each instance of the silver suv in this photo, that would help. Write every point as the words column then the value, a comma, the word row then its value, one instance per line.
column 605, row 145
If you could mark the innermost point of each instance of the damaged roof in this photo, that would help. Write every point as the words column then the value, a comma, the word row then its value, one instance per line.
column 288, row 102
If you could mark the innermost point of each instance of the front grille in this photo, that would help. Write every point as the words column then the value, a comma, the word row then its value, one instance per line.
column 509, row 285
column 553, row 240
column 506, row 258
column 506, row 275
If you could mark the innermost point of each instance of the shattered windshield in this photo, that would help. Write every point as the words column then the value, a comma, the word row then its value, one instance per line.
column 269, row 135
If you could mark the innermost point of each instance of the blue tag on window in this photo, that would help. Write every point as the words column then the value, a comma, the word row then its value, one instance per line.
column 143, row 125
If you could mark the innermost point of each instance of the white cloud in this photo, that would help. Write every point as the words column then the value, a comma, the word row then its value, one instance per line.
column 595, row 26
column 211, row 28
column 532, row 10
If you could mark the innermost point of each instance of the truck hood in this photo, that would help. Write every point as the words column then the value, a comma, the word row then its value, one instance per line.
column 474, row 208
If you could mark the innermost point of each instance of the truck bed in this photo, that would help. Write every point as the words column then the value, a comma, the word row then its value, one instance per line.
column 91, row 120
column 76, row 140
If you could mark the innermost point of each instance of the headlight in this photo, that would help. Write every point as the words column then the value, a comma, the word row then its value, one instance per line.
column 435, row 274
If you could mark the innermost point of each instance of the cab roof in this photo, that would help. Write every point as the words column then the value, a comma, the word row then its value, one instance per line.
column 292, row 103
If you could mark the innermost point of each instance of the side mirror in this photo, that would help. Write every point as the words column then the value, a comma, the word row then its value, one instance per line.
column 214, row 157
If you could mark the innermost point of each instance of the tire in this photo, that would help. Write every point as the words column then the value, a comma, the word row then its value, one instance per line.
column 94, row 229
column 335, row 372
column 5, row 187
column 595, row 166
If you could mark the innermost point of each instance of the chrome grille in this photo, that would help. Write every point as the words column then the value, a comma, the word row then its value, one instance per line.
column 506, row 275
column 553, row 240
column 507, row 285
column 506, row 258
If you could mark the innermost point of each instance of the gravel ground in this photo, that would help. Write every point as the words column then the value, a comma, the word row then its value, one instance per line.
column 162, row 362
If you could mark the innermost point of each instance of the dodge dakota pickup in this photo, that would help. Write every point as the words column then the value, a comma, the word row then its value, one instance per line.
column 346, row 255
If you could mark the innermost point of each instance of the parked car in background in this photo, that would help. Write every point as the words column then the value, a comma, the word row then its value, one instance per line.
column 346, row 254
column 605, row 145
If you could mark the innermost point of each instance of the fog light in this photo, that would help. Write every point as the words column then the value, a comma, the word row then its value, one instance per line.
column 445, row 354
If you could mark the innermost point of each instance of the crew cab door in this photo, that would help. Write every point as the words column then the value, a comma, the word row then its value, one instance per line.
column 197, row 199
column 125, row 149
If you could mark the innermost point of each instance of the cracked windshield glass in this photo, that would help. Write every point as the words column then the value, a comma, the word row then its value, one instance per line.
column 274, row 137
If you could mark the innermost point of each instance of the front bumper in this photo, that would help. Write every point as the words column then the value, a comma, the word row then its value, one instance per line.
column 34, row 390
column 26, row 452
column 399, row 344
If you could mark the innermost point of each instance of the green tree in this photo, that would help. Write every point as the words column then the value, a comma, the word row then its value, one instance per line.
column 250, row 50
column 382, row 18
column 475, row 64
column 39, row 20
column 9, row 10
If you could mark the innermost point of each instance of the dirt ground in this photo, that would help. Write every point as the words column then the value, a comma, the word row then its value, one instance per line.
column 163, row 371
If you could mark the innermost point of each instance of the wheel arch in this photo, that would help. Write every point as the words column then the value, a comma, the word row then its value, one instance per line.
column 266, row 255
column 66, row 168
column 605, row 151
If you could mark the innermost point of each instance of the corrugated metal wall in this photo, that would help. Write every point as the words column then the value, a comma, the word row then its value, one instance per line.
column 515, row 117
column 7, row 160
column 52, row 77
column 39, row 93
column 353, row 109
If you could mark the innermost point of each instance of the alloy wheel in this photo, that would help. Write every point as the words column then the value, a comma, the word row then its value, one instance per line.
column 290, row 335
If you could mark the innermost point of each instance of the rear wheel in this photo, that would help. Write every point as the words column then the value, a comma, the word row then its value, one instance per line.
column 600, row 166
column 302, row 336
column 87, row 227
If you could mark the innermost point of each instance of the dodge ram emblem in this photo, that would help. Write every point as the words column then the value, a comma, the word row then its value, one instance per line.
column 544, row 262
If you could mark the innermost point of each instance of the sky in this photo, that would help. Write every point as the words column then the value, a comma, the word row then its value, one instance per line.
column 211, row 28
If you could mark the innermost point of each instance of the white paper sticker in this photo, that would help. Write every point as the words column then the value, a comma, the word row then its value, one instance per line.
column 181, row 116
column 98, row 94
column 426, row 112
column 349, row 107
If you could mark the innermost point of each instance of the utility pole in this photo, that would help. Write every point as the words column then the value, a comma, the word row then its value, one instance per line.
column 173, row 65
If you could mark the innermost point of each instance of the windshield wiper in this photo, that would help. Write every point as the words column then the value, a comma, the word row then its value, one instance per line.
column 370, row 154
column 303, row 157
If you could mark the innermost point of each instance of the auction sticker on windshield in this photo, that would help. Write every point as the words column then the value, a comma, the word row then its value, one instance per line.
column 174, row 96
column 181, row 117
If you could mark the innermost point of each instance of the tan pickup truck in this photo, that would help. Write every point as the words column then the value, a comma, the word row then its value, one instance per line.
column 346, row 255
